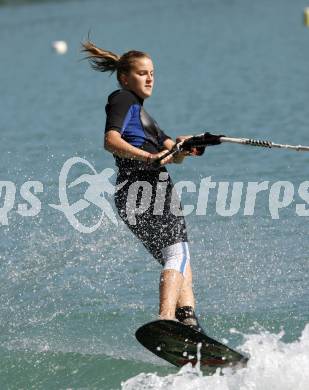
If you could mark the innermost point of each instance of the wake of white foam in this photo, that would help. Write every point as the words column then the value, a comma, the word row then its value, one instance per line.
column 273, row 365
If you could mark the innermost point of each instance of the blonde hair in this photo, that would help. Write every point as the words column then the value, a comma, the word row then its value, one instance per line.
column 106, row 61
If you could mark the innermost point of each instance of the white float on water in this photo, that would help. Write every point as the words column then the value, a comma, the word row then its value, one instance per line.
column 60, row 47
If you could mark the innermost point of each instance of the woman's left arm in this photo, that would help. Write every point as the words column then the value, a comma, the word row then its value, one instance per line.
column 169, row 144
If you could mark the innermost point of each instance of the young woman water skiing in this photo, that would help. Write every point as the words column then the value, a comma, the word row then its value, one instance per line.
column 137, row 141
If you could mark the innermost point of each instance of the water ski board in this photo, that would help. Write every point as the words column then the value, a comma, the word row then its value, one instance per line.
column 179, row 344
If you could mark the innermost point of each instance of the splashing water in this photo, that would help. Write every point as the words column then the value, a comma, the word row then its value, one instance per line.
column 273, row 365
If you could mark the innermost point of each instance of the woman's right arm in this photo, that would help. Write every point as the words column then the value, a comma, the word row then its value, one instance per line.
column 114, row 143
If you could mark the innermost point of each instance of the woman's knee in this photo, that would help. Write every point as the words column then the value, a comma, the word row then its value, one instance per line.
column 176, row 257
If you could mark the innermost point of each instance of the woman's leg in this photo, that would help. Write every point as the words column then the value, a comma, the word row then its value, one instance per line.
column 185, row 305
column 175, row 291
column 186, row 296
column 171, row 282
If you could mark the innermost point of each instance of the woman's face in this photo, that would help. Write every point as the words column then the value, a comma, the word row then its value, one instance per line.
column 140, row 79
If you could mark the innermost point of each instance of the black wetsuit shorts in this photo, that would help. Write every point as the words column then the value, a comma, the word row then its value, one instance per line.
column 159, row 226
